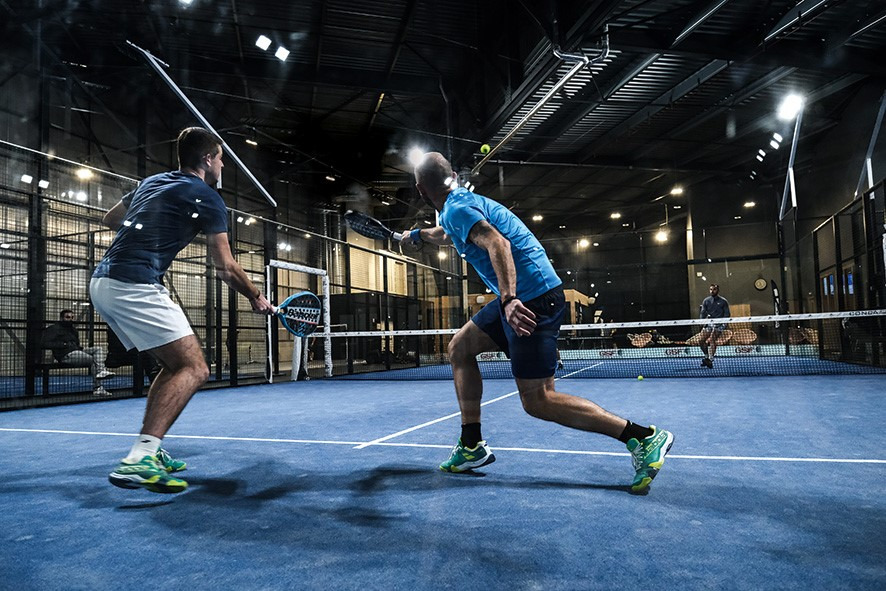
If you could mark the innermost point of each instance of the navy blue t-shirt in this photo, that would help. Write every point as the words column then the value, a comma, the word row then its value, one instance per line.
column 163, row 215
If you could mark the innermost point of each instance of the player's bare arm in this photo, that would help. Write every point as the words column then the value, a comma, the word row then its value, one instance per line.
column 230, row 271
column 521, row 318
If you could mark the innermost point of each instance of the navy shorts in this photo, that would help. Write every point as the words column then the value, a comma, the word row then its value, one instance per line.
column 533, row 356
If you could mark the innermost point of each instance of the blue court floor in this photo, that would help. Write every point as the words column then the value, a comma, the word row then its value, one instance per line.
column 772, row 483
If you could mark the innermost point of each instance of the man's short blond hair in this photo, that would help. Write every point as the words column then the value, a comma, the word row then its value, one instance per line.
column 433, row 170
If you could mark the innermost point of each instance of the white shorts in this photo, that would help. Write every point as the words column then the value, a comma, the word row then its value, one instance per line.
column 142, row 315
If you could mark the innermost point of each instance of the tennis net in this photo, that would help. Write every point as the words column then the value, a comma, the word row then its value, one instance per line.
column 799, row 344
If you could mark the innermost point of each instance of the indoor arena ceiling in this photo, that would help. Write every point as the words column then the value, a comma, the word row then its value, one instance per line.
column 674, row 92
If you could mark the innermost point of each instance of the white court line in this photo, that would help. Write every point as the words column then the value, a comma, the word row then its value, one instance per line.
column 456, row 414
column 439, row 446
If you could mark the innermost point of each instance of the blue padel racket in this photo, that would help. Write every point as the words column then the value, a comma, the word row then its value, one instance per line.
column 370, row 227
column 300, row 313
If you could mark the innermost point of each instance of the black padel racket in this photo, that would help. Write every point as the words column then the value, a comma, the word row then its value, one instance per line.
column 300, row 313
column 370, row 227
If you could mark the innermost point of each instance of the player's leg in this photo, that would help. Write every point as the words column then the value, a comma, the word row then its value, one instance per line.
column 541, row 400
column 144, row 317
column 715, row 335
column 471, row 450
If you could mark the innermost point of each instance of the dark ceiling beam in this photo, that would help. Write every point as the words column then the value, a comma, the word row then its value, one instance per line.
column 807, row 54
column 544, row 64
column 677, row 92
column 861, row 23
column 798, row 14
column 556, row 126
column 405, row 22
column 275, row 71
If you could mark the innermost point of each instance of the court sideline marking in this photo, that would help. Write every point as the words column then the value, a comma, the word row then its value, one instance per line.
column 456, row 414
column 439, row 446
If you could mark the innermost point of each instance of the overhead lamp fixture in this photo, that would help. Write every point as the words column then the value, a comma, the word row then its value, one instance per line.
column 677, row 190
column 677, row 206
column 596, row 244
column 738, row 217
column 584, row 243
column 252, row 142
column 775, row 145
column 537, row 218
column 441, row 255
column 330, row 178
column 81, row 196
column 84, row 174
column 761, row 152
column 26, row 179
column 625, row 225
column 661, row 236
column 281, row 54
column 615, row 215
column 760, row 158
column 790, row 107
column 262, row 42
column 749, row 204
column 777, row 137
column 415, row 156
column 562, row 227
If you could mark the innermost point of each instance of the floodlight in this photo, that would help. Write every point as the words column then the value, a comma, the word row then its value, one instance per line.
column 790, row 107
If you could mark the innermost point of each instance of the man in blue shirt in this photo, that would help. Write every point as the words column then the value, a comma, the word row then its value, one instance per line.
column 524, row 322
column 712, row 307
column 154, row 222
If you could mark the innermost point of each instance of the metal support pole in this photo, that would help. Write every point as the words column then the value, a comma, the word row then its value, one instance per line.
column 867, row 170
column 155, row 63
column 789, row 184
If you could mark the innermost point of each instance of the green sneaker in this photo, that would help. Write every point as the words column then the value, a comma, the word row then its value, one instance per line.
column 147, row 473
column 463, row 459
column 169, row 463
column 648, row 456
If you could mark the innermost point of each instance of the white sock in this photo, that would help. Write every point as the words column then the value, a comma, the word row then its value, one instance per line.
column 145, row 445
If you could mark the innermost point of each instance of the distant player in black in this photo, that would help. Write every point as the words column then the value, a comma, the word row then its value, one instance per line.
column 712, row 307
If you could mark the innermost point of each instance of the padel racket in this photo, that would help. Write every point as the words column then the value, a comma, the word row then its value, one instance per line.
column 370, row 227
column 640, row 340
column 300, row 313
column 744, row 336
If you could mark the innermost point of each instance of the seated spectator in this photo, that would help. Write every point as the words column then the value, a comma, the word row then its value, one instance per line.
column 64, row 342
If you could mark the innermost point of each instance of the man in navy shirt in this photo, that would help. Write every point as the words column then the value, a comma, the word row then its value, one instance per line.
column 712, row 307
column 524, row 322
column 154, row 222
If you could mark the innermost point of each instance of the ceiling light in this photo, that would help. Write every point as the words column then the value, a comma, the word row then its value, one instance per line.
column 678, row 190
column 790, row 107
column 81, row 196
column 775, row 145
column 596, row 244
column 441, row 255
column 281, row 54
column 777, row 137
column 26, row 179
column 537, row 218
column 761, row 152
column 415, row 156
column 43, row 184
column 330, row 178
column 84, row 174
column 252, row 142
column 677, row 206
column 263, row 42
column 625, row 225
column 749, row 204
column 584, row 243
column 562, row 227
column 738, row 217
column 760, row 158
column 661, row 236
column 615, row 215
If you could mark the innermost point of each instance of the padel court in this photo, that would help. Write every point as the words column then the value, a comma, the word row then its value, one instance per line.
column 327, row 484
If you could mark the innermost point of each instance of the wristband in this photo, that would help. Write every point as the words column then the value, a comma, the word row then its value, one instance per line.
column 507, row 300
column 416, row 235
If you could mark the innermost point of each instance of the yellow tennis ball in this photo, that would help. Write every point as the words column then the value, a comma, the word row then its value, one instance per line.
column 639, row 377
column 484, row 149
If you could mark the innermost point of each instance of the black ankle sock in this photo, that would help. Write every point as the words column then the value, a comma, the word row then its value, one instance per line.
column 633, row 431
column 470, row 435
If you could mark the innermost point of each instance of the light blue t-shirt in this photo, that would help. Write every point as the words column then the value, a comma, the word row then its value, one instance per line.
column 163, row 215
column 463, row 209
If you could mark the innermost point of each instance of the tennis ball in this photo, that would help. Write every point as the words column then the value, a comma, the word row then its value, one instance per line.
column 639, row 377
column 484, row 149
